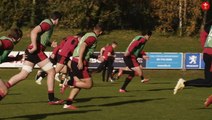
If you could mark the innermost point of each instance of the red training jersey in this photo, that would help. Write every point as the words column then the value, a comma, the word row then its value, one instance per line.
column 59, row 47
column 6, row 44
column 69, row 46
column 108, row 49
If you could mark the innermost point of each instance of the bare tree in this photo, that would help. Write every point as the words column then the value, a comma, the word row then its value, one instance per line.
column 180, row 18
column 185, row 14
column 32, row 17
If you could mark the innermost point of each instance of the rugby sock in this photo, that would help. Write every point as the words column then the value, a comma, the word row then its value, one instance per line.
column 69, row 101
column 43, row 74
column 126, row 82
column 51, row 95
column 8, row 85
column 142, row 77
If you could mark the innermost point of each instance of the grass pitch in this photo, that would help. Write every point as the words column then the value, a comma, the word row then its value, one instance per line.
column 149, row 101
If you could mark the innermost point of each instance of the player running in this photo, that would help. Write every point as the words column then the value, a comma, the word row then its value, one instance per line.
column 42, row 74
column 80, row 77
column 62, row 55
column 7, row 44
column 40, row 39
column 130, row 58
column 206, row 43
column 124, row 70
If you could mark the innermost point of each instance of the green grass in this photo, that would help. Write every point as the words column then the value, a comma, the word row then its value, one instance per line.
column 151, row 101
column 157, row 43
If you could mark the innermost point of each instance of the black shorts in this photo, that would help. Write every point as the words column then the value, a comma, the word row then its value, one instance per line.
column 81, row 74
column 131, row 62
column 53, row 61
column 62, row 60
column 35, row 57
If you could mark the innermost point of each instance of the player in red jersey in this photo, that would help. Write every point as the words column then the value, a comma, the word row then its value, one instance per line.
column 53, row 58
column 107, row 56
column 7, row 44
column 40, row 39
column 61, row 55
column 79, row 75
column 130, row 58
column 66, row 52
column 127, row 70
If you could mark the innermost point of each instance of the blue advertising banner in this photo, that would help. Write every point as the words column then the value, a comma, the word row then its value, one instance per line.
column 166, row 60
column 192, row 60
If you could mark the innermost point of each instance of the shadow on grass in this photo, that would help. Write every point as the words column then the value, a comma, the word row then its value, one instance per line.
column 130, row 102
column 103, row 97
column 203, row 108
column 159, row 83
column 24, row 102
column 160, row 89
column 14, row 93
column 105, row 84
column 78, row 100
column 44, row 115
column 122, row 103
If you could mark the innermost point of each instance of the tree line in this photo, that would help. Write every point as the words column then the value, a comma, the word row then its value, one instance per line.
column 167, row 16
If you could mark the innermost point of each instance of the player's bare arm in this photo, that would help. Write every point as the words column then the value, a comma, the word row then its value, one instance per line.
column 34, row 34
column 81, row 52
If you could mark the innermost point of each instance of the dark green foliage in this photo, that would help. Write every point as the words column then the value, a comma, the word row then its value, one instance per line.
column 159, row 15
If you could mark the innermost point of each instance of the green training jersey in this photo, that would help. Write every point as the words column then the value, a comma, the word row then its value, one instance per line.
column 89, row 49
column 208, row 42
column 136, row 49
column 45, row 36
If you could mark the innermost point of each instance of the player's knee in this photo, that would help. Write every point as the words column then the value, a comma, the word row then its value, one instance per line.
column 51, row 72
column 48, row 67
column 27, row 68
column 138, row 73
column 89, row 85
